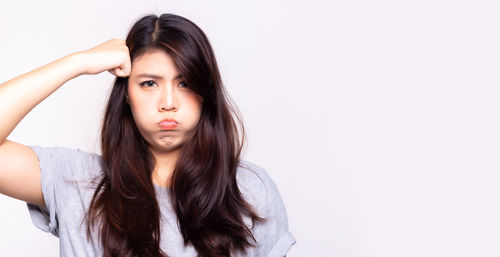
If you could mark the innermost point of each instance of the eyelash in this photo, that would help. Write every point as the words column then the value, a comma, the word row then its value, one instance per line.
column 143, row 84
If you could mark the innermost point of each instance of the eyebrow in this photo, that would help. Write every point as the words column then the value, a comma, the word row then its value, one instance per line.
column 154, row 76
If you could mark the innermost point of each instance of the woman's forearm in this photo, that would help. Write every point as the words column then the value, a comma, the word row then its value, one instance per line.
column 21, row 94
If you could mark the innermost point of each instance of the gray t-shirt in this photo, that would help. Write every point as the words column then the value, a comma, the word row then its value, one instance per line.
column 66, row 175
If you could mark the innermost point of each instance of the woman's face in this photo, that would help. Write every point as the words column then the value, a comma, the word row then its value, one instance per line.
column 157, row 93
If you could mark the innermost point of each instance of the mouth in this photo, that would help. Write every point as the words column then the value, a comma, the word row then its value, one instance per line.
column 168, row 124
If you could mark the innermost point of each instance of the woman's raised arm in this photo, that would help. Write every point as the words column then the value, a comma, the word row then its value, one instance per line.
column 19, row 168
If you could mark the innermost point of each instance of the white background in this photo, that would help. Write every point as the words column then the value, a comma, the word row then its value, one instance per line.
column 378, row 120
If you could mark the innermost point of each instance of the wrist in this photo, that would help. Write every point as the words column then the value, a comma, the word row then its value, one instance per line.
column 76, row 62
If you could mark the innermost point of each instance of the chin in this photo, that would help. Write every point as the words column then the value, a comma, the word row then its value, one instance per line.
column 167, row 147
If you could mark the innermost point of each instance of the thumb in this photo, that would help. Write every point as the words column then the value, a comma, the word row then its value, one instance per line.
column 121, row 72
column 126, row 67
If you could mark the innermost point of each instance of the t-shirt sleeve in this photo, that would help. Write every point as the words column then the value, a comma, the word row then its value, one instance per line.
column 59, row 169
column 273, row 237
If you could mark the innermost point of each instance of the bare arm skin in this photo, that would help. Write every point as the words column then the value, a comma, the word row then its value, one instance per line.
column 19, row 167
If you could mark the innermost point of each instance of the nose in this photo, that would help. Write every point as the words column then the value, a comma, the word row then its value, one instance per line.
column 168, row 99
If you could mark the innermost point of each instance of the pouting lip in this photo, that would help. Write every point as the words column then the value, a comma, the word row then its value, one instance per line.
column 169, row 120
column 168, row 127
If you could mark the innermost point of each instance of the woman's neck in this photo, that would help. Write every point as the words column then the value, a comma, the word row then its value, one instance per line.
column 164, row 167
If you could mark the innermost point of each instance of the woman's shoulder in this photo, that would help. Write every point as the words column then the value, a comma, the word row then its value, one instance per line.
column 59, row 152
column 71, row 162
column 256, row 185
column 252, row 175
column 260, row 191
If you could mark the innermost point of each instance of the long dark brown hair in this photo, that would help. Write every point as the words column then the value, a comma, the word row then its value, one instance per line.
column 203, row 190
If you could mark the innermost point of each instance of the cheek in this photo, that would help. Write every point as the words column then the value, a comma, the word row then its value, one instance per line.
column 139, row 111
column 195, row 108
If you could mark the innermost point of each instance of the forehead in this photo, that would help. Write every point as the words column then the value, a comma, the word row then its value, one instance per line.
column 155, row 61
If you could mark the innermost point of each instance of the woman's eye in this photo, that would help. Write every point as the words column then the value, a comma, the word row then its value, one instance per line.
column 183, row 84
column 148, row 83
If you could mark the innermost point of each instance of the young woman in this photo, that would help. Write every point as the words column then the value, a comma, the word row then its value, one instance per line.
column 170, row 181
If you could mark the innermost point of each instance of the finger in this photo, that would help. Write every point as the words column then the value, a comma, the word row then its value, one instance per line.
column 126, row 67
column 126, row 71
column 120, row 73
